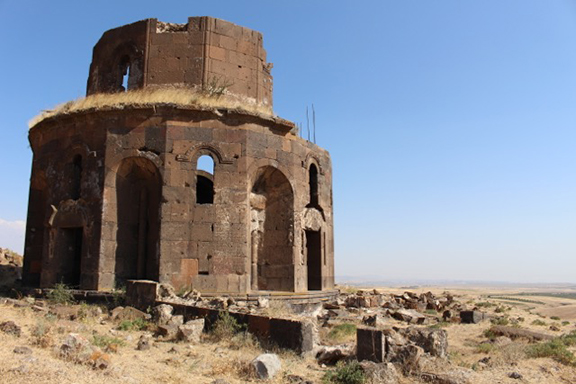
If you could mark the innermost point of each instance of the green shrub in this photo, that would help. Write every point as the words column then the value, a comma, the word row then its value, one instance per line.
column 345, row 373
column 500, row 321
column 485, row 304
column 104, row 341
column 225, row 327
column 60, row 294
column 489, row 334
column 554, row 317
column 484, row 348
column 570, row 339
column 342, row 331
column 431, row 311
column 538, row 322
column 565, row 322
column 133, row 325
column 555, row 349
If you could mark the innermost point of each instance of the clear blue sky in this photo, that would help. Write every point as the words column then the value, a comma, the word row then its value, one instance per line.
column 451, row 124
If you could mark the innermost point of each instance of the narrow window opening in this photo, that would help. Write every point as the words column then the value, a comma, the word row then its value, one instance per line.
column 205, row 180
column 313, row 182
column 76, row 177
column 206, row 164
column 125, row 74
column 125, row 79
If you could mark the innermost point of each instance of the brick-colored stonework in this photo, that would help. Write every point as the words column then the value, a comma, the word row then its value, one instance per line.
column 205, row 52
column 116, row 194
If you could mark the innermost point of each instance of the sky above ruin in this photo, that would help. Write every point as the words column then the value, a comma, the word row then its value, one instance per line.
column 451, row 124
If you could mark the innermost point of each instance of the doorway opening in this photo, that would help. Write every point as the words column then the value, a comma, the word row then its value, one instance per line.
column 314, row 260
column 70, row 248
column 138, row 192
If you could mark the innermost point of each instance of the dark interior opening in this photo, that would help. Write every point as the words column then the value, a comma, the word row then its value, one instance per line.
column 272, row 241
column 313, row 182
column 138, row 189
column 71, row 248
column 314, row 260
column 204, row 190
column 76, row 177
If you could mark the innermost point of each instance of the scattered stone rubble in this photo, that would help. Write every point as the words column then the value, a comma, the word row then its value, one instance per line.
column 10, row 268
column 393, row 337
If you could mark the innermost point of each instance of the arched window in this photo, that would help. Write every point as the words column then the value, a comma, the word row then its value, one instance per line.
column 205, row 180
column 313, row 182
column 76, row 177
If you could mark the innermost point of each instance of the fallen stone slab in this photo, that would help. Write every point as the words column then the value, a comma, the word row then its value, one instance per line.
column 515, row 333
column 167, row 331
column 64, row 312
column 409, row 316
column 22, row 350
column 127, row 313
column 433, row 341
column 297, row 335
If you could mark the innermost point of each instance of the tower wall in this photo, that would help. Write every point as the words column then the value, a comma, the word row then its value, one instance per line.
column 206, row 53
column 117, row 193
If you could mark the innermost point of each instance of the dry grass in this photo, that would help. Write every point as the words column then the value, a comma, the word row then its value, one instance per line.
column 175, row 96
column 165, row 362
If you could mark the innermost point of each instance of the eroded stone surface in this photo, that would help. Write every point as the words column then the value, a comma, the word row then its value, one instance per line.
column 200, row 199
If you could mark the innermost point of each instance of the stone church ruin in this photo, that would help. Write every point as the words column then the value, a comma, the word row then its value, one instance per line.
column 118, row 192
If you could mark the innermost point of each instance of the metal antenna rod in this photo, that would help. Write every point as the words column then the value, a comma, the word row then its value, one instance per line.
column 314, row 122
column 307, row 123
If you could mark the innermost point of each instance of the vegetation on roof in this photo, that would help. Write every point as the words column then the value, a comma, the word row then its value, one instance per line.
column 175, row 96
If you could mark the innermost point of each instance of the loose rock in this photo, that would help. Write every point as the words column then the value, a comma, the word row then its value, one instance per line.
column 384, row 373
column 22, row 350
column 161, row 314
column 144, row 343
column 191, row 331
column 11, row 328
column 266, row 366
column 332, row 355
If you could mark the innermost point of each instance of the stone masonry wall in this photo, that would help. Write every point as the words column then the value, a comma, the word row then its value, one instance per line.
column 205, row 246
column 206, row 52
column 117, row 194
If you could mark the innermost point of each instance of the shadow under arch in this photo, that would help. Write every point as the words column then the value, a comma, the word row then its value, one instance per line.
column 138, row 194
column 272, row 226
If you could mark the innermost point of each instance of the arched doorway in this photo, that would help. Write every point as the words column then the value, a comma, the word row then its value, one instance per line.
column 138, row 190
column 272, row 216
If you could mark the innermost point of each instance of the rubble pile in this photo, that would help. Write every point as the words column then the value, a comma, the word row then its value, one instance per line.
column 376, row 307
column 10, row 268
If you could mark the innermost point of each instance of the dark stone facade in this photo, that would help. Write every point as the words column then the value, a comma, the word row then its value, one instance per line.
column 116, row 194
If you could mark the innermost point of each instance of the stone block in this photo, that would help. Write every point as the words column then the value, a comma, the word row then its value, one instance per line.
column 141, row 294
column 370, row 345
column 471, row 317
column 202, row 232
